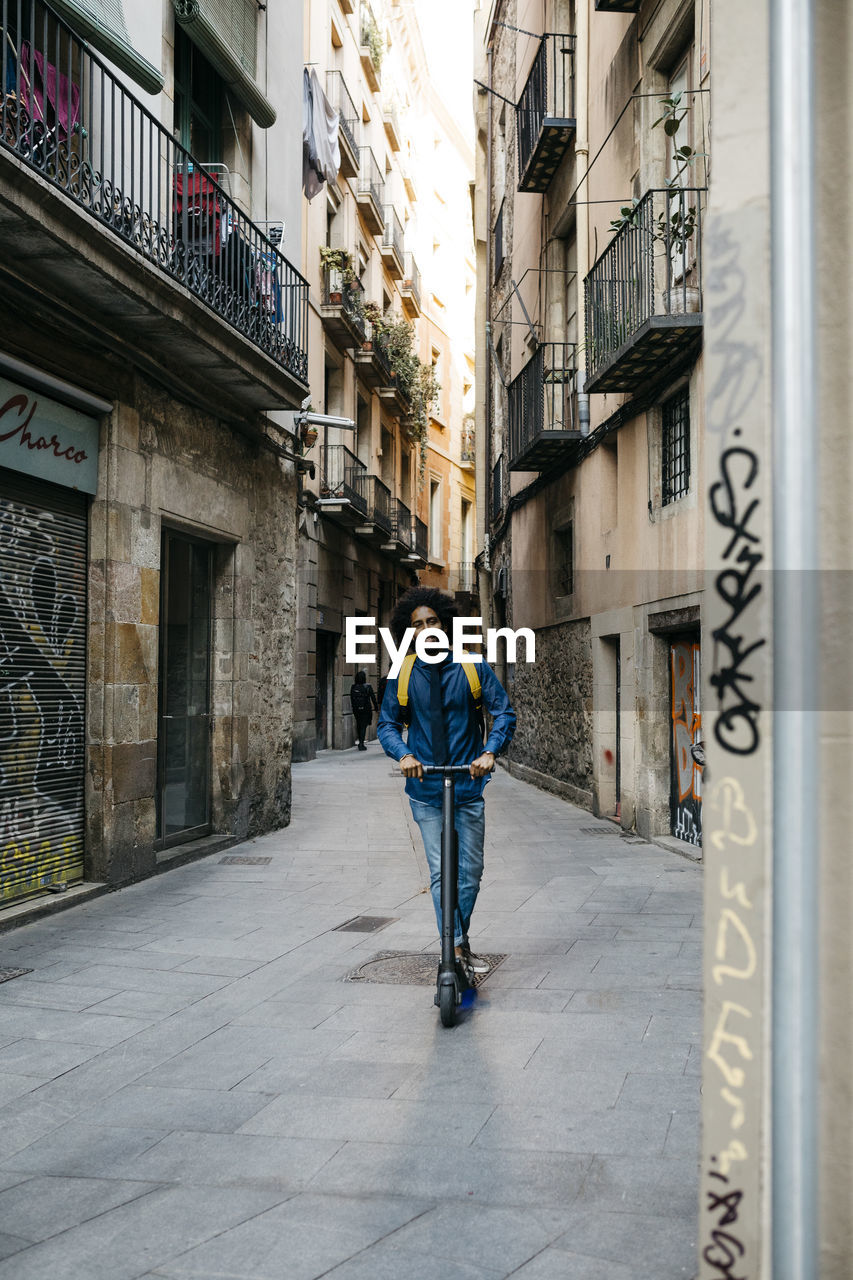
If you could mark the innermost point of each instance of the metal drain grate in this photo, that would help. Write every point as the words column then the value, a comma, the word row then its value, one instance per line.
column 243, row 860
column 6, row 975
column 364, row 924
column 409, row 968
column 598, row 831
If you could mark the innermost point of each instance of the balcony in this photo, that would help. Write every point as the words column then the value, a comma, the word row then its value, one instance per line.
column 370, row 193
column 95, row 187
column 463, row 579
column 467, row 456
column 643, row 296
column 342, row 485
column 545, row 115
column 391, row 121
column 348, row 132
column 421, row 534
column 372, row 363
column 410, row 288
column 342, row 309
column 370, row 47
column 393, row 254
column 617, row 6
column 541, row 402
column 378, row 524
column 401, row 526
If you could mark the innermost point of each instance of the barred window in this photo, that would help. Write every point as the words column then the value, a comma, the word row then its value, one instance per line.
column 676, row 447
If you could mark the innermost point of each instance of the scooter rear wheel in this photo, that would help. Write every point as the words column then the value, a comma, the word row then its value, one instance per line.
column 447, row 1004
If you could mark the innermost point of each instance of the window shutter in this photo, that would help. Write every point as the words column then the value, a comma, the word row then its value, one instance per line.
column 102, row 24
column 225, row 31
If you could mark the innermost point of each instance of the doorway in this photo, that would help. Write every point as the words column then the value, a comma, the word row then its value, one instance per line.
column 184, row 723
column 685, row 796
column 324, row 703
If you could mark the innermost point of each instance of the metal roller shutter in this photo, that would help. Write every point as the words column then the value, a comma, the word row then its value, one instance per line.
column 43, row 567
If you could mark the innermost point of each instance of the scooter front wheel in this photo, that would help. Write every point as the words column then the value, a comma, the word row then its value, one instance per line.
column 447, row 1004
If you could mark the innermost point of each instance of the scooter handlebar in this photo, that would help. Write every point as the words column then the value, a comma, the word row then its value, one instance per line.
column 447, row 768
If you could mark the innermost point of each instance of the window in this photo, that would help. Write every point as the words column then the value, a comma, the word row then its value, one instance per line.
column 499, row 240
column 564, row 560
column 435, row 540
column 198, row 102
column 675, row 452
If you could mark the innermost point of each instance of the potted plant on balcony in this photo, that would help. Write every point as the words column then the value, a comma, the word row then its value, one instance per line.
column 674, row 226
column 338, row 264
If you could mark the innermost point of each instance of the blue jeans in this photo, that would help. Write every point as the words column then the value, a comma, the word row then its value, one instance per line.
column 470, row 820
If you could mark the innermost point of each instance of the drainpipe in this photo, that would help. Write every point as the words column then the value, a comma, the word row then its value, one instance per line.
column 582, row 208
column 796, row 848
column 487, row 558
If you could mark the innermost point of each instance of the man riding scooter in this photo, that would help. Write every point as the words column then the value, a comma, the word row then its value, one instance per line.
column 441, row 704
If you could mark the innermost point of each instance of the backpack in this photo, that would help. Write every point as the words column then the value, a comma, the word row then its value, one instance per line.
column 471, row 672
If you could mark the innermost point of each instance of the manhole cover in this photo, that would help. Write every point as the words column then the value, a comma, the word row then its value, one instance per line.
column 6, row 975
column 409, row 968
column 598, row 831
column 243, row 860
column 364, row 924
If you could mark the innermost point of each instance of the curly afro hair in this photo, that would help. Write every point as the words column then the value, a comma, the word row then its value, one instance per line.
column 416, row 597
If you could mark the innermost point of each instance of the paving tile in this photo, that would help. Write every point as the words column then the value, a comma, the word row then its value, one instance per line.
column 546, row 1127
column 79, row 1149
column 132, row 1238
column 205, row 1110
column 229, row 1159
column 444, row 1122
column 339, row 1079
column 301, row 1239
column 42, row 1207
column 662, row 1246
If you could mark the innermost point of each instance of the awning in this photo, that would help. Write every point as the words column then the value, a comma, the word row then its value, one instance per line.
column 102, row 24
column 225, row 31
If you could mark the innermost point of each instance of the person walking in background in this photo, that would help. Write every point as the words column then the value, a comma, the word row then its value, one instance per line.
column 363, row 702
column 441, row 706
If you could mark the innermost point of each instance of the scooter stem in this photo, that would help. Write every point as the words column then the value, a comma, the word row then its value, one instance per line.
column 449, row 875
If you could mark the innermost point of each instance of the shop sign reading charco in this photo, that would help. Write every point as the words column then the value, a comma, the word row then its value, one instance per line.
column 46, row 439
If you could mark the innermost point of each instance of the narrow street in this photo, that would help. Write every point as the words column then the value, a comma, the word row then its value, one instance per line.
column 190, row 1088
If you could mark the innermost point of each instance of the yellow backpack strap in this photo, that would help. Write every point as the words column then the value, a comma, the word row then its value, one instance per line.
column 403, row 680
column 473, row 674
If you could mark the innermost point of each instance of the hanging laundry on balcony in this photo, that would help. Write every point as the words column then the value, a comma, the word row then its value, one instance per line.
column 198, row 212
column 41, row 83
column 321, row 152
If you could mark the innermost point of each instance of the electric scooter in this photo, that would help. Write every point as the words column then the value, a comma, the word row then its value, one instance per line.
column 452, row 982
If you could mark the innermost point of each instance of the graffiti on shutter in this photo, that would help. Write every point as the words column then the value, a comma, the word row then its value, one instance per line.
column 686, row 783
column 42, row 686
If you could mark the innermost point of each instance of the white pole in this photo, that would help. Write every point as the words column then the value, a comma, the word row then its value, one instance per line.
column 795, row 645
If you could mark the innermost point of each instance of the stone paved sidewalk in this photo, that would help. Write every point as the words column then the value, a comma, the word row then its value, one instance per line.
column 190, row 1089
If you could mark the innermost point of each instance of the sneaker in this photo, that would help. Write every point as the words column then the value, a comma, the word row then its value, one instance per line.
column 475, row 963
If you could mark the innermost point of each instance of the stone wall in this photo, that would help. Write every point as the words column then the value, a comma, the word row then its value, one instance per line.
column 553, row 700
column 164, row 463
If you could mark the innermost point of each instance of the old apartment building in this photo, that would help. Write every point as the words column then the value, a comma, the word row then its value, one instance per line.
column 388, row 254
column 589, row 416
column 154, row 344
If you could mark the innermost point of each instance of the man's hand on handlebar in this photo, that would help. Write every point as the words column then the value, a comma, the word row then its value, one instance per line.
column 411, row 768
column 482, row 765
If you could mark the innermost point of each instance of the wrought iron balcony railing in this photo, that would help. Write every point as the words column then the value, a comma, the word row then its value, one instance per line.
column 542, row 408
column 410, row 287
column 343, row 476
column 421, row 539
column 379, row 503
column 643, row 296
column 545, row 115
column 392, row 237
column 467, row 447
column 402, row 523
column 463, row 577
column 67, row 117
column 498, row 238
column 348, row 294
column 341, row 99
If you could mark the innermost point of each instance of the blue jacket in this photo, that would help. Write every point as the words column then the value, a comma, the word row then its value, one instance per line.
column 464, row 739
